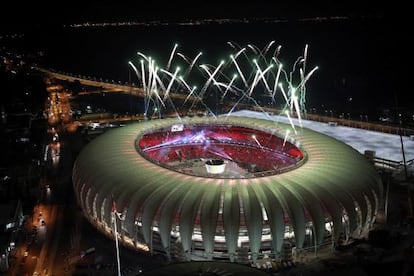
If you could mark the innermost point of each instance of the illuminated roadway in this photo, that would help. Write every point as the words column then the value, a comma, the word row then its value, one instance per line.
column 110, row 87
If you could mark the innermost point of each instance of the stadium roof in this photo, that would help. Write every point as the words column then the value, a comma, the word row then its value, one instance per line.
column 334, row 178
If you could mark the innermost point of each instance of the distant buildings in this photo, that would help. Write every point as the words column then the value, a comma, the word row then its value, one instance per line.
column 11, row 221
column 22, row 133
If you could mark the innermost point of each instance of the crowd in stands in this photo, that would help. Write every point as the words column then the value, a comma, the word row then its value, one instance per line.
column 252, row 149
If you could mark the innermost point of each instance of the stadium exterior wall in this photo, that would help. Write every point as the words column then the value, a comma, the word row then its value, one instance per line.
column 335, row 194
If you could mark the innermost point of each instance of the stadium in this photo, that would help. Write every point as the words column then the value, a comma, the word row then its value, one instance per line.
column 233, row 188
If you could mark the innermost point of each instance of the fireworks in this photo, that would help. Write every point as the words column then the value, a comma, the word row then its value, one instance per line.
column 246, row 76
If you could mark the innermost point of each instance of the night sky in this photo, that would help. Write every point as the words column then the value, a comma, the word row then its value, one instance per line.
column 38, row 12
column 19, row 16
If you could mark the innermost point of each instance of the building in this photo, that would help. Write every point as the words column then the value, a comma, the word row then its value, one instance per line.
column 282, row 189
column 11, row 219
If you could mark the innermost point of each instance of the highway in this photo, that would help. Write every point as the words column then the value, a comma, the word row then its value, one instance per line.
column 111, row 87
column 51, row 235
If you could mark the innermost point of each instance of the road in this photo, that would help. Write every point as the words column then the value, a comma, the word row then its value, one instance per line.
column 111, row 87
column 51, row 235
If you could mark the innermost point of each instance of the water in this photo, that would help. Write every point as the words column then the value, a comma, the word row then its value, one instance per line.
column 357, row 63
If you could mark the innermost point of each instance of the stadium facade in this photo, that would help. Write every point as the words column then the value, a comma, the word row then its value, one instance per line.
column 225, row 187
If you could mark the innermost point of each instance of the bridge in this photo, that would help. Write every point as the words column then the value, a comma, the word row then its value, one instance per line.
column 110, row 87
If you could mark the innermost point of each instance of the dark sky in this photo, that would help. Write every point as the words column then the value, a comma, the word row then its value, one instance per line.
column 190, row 9
column 17, row 15
column 37, row 12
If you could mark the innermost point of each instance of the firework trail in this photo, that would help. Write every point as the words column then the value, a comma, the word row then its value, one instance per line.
column 254, row 73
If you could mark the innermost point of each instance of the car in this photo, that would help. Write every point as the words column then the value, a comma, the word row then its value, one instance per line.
column 87, row 252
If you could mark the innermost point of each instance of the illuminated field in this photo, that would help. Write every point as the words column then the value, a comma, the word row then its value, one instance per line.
column 245, row 152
